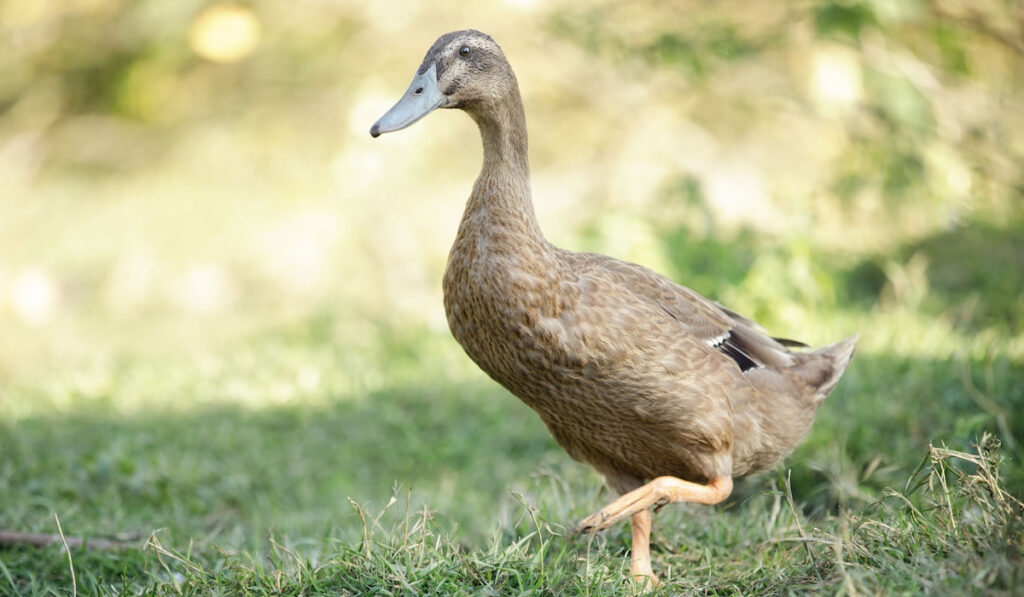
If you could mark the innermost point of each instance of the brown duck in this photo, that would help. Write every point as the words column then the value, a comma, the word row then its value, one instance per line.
column 667, row 394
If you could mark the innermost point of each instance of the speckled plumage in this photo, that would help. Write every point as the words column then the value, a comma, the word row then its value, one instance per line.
column 632, row 373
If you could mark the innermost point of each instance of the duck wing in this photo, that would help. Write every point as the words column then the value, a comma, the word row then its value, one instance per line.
column 720, row 328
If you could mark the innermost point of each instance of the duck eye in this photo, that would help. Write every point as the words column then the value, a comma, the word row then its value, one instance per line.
column 464, row 51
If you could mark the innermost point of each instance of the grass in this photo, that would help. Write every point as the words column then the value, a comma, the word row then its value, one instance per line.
column 258, row 449
column 264, row 470
column 951, row 529
column 320, row 450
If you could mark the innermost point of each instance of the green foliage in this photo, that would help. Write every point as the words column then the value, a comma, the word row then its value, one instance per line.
column 697, row 52
column 973, row 271
column 843, row 19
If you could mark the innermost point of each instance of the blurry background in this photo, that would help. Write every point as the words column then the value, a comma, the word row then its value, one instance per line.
column 220, row 305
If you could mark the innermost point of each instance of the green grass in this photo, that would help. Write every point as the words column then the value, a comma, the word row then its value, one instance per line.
column 237, row 473
column 258, row 450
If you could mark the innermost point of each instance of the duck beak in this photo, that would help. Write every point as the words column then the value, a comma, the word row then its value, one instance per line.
column 420, row 99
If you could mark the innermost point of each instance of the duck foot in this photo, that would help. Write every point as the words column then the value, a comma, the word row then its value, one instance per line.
column 660, row 491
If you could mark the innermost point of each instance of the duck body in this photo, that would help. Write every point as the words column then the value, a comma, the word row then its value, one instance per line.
column 591, row 344
column 665, row 393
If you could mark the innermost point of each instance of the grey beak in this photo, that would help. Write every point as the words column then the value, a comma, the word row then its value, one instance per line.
column 420, row 99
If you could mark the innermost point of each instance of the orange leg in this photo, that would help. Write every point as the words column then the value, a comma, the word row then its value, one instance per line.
column 640, row 554
column 636, row 505
column 661, row 491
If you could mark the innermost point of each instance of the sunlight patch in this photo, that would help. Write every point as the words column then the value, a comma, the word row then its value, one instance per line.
column 34, row 296
column 205, row 289
column 836, row 77
column 225, row 33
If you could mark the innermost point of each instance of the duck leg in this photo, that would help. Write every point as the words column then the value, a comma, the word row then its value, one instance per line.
column 640, row 554
column 661, row 491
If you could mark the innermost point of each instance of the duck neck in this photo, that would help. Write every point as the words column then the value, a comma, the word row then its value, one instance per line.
column 501, row 195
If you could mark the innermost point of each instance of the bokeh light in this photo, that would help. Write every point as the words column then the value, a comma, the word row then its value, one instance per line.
column 225, row 33
column 836, row 76
column 34, row 296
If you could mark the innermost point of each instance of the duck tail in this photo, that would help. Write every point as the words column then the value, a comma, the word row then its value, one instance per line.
column 821, row 369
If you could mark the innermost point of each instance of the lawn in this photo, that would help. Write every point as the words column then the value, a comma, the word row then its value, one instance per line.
column 224, row 362
column 299, row 460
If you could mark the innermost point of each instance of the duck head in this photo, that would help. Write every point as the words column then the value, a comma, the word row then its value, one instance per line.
column 463, row 69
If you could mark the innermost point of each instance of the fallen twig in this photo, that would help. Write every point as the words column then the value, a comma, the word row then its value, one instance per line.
column 44, row 539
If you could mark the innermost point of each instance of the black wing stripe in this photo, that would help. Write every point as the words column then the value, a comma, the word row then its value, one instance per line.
column 732, row 350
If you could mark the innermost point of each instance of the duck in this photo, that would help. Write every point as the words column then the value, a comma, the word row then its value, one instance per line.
column 668, row 395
